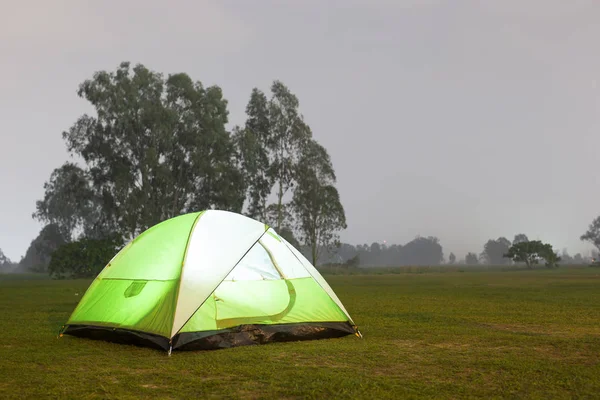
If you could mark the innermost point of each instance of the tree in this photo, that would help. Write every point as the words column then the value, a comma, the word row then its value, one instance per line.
column 353, row 261
column 316, row 202
column 5, row 263
column 549, row 255
column 452, row 258
column 84, row 258
column 289, row 136
column 531, row 252
column 422, row 251
column 4, row 260
column 252, row 142
column 156, row 148
column 288, row 235
column 519, row 238
column 269, row 147
column 566, row 257
column 37, row 256
column 69, row 202
column 527, row 252
column 593, row 233
column 471, row 259
column 494, row 250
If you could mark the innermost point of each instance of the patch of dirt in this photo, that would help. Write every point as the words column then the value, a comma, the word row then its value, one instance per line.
column 541, row 330
column 522, row 329
column 153, row 386
column 406, row 343
column 449, row 345
column 576, row 357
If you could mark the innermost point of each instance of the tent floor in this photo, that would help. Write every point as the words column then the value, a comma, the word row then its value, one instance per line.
column 242, row 335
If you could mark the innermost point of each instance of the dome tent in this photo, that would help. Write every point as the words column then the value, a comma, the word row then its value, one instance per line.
column 207, row 280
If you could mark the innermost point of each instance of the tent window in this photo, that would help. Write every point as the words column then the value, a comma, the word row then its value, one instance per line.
column 135, row 288
column 256, row 265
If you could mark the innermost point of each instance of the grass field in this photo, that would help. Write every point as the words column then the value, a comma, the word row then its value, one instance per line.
column 486, row 334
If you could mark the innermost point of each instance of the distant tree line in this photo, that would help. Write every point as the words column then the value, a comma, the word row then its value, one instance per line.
column 429, row 251
column 419, row 251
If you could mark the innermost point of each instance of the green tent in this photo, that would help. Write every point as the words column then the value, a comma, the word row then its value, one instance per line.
column 207, row 280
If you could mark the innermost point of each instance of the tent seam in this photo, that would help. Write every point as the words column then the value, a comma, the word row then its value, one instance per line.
column 219, row 284
column 187, row 245
column 321, row 286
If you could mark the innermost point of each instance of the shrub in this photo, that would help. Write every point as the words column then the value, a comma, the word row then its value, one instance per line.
column 84, row 258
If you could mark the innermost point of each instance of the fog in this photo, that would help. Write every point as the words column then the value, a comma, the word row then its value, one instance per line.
column 462, row 120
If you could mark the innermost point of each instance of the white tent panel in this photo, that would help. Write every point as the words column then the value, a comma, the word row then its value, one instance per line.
column 289, row 265
column 256, row 265
column 217, row 243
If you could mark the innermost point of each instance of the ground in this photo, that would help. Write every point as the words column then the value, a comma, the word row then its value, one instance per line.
column 428, row 333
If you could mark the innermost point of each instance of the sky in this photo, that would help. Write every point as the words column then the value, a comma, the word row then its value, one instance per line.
column 464, row 120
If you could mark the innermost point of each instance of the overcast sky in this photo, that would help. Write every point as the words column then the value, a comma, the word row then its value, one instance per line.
column 466, row 120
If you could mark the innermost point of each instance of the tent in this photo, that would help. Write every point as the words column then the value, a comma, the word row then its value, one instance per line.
column 207, row 280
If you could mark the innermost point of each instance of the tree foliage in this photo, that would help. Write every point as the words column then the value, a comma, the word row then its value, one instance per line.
column 278, row 156
column 4, row 260
column 84, row 258
column 270, row 146
column 287, row 144
column 520, row 238
column 156, row 148
column 471, row 259
column 531, row 252
column 593, row 233
column 41, row 248
column 419, row 251
column 494, row 250
column 69, row 201
column 451, row 258
column 316, row 201
column 251, row 142
column 550, row 256
column 525, row 251
column 423, row 251
column 6, row 265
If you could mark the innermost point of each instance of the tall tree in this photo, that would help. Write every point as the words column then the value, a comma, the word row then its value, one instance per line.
column 471, row 259
column 452, row 258
column 316, row 202
column 269, row 147
column 288, row 136
column 494, row 250
column 4, row 260
column 520, row 238
column 156, row 148
column 38, row 255
column 69, row 200
column 251, row 142
column 593, row 233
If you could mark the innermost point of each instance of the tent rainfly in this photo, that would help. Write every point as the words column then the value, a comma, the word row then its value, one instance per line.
column 208, row 280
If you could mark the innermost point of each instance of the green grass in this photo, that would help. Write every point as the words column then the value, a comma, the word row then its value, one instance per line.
column 485, row 334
